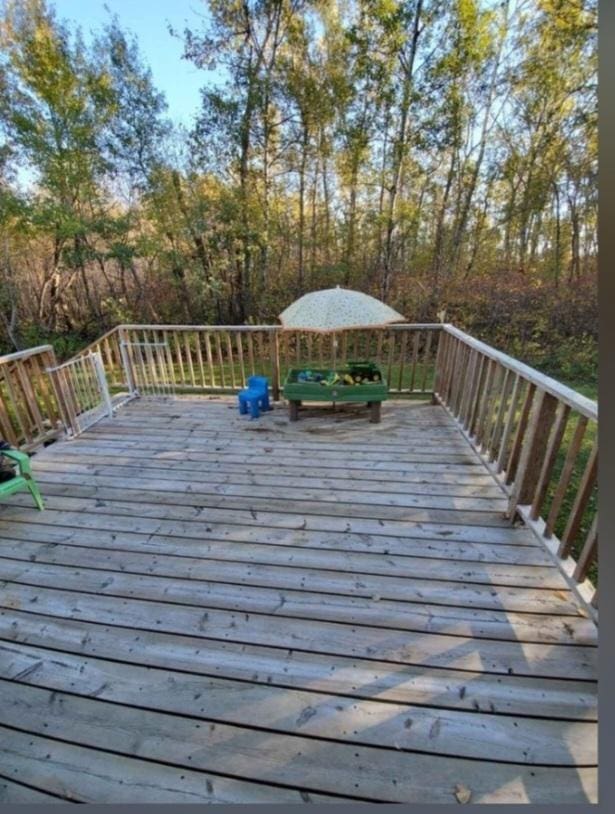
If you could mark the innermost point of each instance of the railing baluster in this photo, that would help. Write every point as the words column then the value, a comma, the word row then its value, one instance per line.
column 391, row 338
column 515, row 451
column 484, row 401
column 239, row 341
column 178, row 357
column 502, row 458
column 492, row 407
column 588, row 552
column 458, row 374
column 451, row 369
column 251, row 353
column 565, row 476
column 163, row 336
column 29, row 400
column 231, row 361
column 157, row 339
column 309, row 342
column 17, row 409
column 378, row 348
column 43, row 389
column 220, row 360
column 402, row 355
column 199, row 358
column 555, row 441
column 6, row 425
column 466, row 388
column 189, row 358
column 274, row 353
column 533, row 451
column 461, row 381
column 297, row 348
column 426, row 358
column 496, row 430
column 581, row 500
column 415, row 357
column 355, row 354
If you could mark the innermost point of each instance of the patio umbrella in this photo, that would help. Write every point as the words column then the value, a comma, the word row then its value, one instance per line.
column 334, row 309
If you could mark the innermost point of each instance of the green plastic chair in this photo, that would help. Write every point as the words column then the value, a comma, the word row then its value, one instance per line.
column 22, row 481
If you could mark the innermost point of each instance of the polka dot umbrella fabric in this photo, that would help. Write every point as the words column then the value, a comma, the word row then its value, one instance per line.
column 333, row 309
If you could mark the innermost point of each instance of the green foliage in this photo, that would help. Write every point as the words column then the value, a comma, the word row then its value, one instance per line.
column 442, row 154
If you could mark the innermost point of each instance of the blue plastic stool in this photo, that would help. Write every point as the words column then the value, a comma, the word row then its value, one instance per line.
column 255, row 396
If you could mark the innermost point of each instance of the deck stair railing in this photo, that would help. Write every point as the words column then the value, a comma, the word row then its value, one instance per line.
column 536, row 436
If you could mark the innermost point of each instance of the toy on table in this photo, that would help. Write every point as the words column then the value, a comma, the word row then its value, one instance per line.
column 309, row 376
column 359, row 381
column 255, row 396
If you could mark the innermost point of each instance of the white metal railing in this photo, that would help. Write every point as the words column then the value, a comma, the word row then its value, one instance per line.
column 82, row 392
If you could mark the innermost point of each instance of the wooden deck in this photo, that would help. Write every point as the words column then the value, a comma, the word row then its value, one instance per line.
column 213, row 609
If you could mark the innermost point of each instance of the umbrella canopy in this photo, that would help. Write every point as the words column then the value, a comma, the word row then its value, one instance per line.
column 333, row 309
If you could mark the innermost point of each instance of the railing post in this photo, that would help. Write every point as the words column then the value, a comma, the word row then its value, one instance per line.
column 102, row 382
column 533, row 451
column 438, row 366
column 274, row 346
column 65, row 398
column 126, row 362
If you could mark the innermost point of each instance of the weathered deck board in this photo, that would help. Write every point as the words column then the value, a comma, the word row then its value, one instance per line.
column 397, row 726
column 350, row 552
column 185, row 461
column 87, row 775
column 331, row 767
column 12, row 792
column 311, row 500
column 212, row 609
column 190, row 520
column 337, row 675
column 469, row 617
column 533, row 589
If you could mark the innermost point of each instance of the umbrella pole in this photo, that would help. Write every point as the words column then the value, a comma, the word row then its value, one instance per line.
column 334, row 343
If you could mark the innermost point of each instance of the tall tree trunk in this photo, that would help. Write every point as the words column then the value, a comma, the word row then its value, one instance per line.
column 463, row 216
column 302, row 169
column 575, row 259
column 438, row 252
column 399, row 155
column 558, row 237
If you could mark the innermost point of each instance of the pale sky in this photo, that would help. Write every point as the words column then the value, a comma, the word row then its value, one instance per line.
column 178, row 79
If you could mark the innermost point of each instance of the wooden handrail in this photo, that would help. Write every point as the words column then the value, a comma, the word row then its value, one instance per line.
column 29, row 410
column 210, row 328
column 209, row 358
column 537, row 437
column 25, row 354
column 563, row 393
column 93, row 346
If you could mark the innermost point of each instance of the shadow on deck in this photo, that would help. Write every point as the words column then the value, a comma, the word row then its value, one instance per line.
column 216, row 609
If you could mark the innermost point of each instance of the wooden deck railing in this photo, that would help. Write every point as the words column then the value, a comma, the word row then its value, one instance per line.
column 29, row 411
column 210, row 358
column 538, row 438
